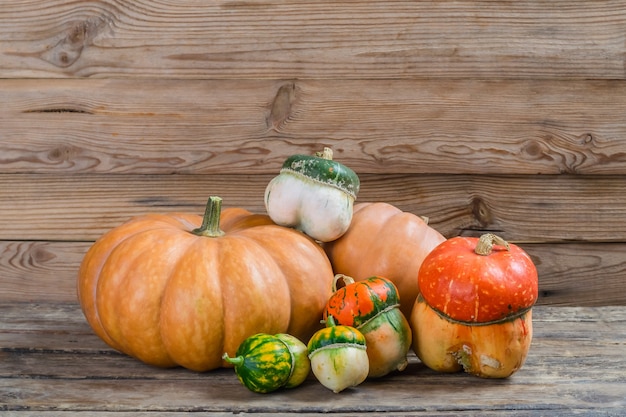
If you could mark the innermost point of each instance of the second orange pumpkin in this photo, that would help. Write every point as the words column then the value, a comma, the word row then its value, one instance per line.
column 385, row 241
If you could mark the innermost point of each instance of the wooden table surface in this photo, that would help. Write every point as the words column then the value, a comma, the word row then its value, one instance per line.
column 51, row 364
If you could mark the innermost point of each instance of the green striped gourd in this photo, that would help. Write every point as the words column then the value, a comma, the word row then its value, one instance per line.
column 265, row 363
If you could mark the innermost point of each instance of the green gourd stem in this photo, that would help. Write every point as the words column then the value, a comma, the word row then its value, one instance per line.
column 327, row 153
column 346, row 280
column 211, row 220
column 237, row 360
column 486, row 242
column 330, row 321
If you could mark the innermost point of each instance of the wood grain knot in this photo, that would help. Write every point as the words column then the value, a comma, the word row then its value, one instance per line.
column 587, row 139
column 68, row 49
column 62, row 153
column 40, row 256
column 282, row 106
column 481, row 212
column 534, row 149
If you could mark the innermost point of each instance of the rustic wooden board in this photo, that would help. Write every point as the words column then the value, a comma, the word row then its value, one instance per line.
column 325, row 39
column 457, row 413
column 520, row 208
column 570, row 274
column 374, row 126
column 574, row 366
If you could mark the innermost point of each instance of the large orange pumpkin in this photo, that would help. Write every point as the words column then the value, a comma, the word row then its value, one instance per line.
column 385, row 241
column 169, row 291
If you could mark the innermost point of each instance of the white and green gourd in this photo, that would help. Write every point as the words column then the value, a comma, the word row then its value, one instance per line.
column 313, row 194
column 338, row 356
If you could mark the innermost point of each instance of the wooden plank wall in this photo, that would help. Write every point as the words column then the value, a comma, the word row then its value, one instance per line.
column 499, row 116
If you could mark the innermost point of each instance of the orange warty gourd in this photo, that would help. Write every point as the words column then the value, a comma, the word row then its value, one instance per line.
column 372, row 307
column 474, row 311
column 180, row 290
column 385, row 241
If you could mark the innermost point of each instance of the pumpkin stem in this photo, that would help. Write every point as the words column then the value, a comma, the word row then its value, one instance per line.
column 211, row 220
column 326, row 154
column 346, row 281
column 486, row 242
column 236, row 361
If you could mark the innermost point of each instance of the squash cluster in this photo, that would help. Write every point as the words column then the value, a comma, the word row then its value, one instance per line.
column 362, row 283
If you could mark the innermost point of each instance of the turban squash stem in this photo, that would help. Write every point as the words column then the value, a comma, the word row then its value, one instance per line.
column 180, row 290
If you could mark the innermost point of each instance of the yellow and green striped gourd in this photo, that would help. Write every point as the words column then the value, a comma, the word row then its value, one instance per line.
column 265, row 363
